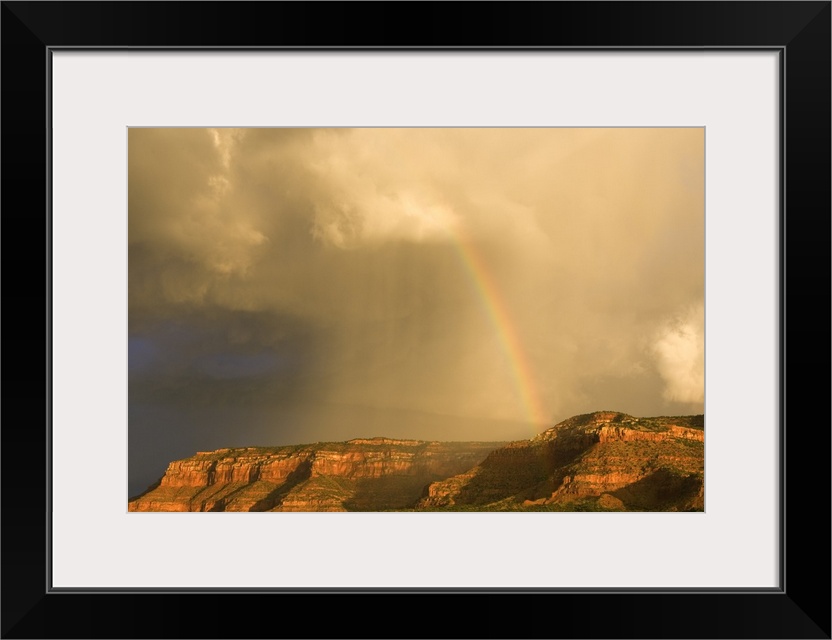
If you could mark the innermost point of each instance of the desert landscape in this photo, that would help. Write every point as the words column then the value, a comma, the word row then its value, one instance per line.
column 416, row 319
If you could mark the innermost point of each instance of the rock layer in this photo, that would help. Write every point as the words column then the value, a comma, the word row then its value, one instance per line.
column 602, row 461
column 599, row 461
column 362, row 474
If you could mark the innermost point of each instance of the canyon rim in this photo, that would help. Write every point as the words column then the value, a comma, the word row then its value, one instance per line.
column 604, row 461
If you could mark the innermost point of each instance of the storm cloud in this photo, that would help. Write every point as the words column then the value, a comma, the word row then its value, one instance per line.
column 301, row 285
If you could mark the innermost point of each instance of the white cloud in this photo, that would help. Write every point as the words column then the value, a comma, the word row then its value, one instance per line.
column 679, row 349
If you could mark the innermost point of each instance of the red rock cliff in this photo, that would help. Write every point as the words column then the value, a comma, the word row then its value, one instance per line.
column 369, row 473
column 599, row 461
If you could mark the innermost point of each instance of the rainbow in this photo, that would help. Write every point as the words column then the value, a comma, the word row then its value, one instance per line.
column 497, row 310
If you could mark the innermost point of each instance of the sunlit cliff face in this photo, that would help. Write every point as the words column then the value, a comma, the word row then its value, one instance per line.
column 296, row 285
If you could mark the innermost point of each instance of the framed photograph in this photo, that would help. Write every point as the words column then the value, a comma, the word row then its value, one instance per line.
column 401, row 313
column 387, row 284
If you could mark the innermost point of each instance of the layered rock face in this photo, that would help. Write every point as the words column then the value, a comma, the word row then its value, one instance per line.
column 600, row 461
column 362, row 475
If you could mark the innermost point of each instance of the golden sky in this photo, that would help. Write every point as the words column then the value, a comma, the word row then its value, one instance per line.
column 300, row 285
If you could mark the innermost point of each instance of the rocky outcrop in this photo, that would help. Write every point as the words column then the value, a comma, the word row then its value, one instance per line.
column 371, row 473
column 602, row 461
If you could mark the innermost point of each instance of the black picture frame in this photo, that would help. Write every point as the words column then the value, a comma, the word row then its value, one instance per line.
column 799, row 608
